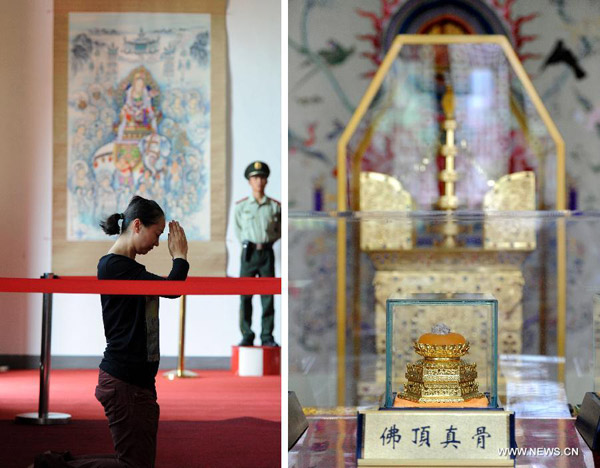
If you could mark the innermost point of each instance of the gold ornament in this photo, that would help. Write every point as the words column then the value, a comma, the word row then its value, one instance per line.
column 442, row 376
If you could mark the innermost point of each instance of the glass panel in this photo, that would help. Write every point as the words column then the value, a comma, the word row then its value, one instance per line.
column 496, row 128
column 523, row 281
column 596, row 341
column 474, row 316
column 312, row 325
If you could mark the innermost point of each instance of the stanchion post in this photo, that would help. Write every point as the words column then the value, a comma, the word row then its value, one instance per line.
column 180, row 372
column 43, row 417
column 45, row 354
column 181, row 358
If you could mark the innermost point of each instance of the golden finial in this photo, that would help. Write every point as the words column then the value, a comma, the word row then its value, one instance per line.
column 448, row 102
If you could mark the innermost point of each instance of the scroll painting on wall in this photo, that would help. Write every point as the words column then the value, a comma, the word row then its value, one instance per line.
column 138, row 118
column 139, row 110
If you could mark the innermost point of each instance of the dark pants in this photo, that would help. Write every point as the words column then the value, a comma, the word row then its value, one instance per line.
column 132, row 414
column 259, row 263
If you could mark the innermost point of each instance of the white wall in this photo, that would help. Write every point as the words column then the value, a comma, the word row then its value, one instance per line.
column 254, row 45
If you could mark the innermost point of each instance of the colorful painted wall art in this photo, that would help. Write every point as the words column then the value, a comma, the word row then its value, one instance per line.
column 139, row 113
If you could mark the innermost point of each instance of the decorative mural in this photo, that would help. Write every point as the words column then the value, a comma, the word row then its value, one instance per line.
column 138, row 118
column 329, row 72
column 335, row 47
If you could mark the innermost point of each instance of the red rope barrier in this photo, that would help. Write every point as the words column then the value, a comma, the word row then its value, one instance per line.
column 210, row 286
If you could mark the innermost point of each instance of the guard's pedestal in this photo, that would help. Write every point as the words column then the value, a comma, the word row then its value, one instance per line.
column 255, row 361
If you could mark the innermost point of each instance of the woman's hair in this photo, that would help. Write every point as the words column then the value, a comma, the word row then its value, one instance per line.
column 147, row 211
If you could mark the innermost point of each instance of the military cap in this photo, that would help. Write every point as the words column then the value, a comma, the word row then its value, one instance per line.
column 257, row 168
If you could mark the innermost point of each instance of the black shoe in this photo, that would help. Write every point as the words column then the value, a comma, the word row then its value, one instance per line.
column 50, row 459
column 246, row 342
column 270, row 343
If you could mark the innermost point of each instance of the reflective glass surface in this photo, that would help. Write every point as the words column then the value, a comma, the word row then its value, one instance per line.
column 497, row 128
column 525, row 281
column 473, row 316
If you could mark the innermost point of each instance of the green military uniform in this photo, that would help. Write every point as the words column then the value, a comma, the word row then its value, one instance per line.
column 257, row 226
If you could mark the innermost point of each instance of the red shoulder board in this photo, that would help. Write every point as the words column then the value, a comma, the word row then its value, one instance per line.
column 240, row 201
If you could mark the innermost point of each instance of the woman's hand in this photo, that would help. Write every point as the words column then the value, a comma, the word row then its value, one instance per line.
column 178, row 247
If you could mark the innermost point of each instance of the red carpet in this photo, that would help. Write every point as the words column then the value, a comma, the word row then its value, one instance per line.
column 215, row 420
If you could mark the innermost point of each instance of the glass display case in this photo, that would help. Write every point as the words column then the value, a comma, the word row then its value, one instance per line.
column 337, row 354
column 450, row 180
column 441, row 349
column 453, row 172
column 596, row 341
column 588, row 414
column 441, row 400
column 442, row 124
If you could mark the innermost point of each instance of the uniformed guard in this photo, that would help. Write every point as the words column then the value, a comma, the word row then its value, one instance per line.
column 257, row 227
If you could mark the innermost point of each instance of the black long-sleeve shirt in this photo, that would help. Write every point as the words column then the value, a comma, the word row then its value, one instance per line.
column 131, row 323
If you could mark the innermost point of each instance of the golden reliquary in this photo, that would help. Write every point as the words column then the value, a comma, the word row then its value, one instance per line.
column 441, row 378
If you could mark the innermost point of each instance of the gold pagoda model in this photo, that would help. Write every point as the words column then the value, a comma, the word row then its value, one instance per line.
column 442, row 376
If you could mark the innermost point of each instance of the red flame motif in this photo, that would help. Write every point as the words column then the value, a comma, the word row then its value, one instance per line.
column 380, row 20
